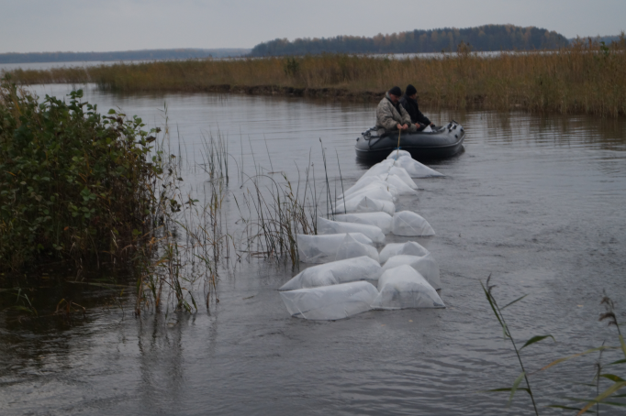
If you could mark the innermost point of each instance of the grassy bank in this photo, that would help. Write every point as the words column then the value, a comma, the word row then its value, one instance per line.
column 582, row 79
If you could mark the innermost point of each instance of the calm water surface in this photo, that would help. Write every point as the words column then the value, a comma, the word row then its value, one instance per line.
column 537, row 202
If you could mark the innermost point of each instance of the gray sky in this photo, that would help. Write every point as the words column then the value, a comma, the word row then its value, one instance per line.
column 113, row 25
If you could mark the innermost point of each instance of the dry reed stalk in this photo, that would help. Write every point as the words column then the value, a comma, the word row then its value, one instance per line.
column 584, row 78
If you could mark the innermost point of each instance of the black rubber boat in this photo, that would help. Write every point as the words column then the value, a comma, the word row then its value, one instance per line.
column 441, row 143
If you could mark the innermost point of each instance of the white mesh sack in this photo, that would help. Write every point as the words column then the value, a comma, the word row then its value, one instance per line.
column 369, row 182
column 323, row 248
column 382, row 173
column 381, row 220
column 380, row 168
column 379, row 190
column 397, row 184
column 350, row 247
column 372, row 232
column 334, row 273
column 404, row 175
column 424, row 265
column 329, row 303
column 408, row 223
column 415, row 168
column 393, row 249
column 390, row 166
column 398, row 153
column 364, row 204
column 402, row 287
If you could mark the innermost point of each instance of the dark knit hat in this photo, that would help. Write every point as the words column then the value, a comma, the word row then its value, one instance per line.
column 410, row 90
column 396, row 91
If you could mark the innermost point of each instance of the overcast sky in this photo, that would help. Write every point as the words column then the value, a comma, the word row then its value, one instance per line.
column 113, row 25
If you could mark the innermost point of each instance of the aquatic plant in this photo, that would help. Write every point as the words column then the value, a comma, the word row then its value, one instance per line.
column 606, row 397
column 273, row 213
column 497, row 310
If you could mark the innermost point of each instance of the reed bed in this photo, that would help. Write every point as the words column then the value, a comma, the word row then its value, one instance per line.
column 585, row 78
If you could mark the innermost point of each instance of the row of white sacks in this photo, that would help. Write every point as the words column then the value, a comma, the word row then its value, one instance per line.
column 352, row 279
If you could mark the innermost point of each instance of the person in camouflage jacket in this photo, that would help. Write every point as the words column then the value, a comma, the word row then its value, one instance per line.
column 391, row 116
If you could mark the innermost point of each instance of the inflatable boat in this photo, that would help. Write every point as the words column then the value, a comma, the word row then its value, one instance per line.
column 440, row 143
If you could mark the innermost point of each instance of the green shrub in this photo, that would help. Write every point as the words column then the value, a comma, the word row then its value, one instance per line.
column 75, row 186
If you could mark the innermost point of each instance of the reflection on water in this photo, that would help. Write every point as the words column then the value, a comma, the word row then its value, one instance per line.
column 536, row 201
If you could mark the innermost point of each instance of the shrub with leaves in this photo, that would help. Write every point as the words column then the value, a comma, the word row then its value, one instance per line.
column 75, row 186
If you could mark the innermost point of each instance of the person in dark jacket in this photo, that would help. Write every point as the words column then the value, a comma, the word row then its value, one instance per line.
column 409, row 102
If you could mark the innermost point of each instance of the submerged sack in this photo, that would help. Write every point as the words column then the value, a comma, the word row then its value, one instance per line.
column 410, row 224
column 323, row 248
column 415, row 169
column 424, row 265
column 378, row 189
column 402, row 287
column 386, row 168
column 336, row 272
column 330, row 302
column 381, row 220
column 398, row 184
column 351, row 248
column 393, row 249
column 364, row 204
column 368, row 185
column 395, row 154
column 372, row 232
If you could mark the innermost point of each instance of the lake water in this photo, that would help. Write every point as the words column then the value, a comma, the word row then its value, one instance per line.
column 535, row 202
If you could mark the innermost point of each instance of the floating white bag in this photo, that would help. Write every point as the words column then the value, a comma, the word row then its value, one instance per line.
column 397, row 184
column 323, row 248
column 381, row 220
column 364, row 204
column 334, row 273
column 393, row 249
column 398, row 153
column 381, row 190
column 379, row 168
column 415, row 169
column 424, row 265
column 368, row 186
column 372, row 232
column 350, row 248
column 403, row 287
column 330, row 302
column 404, row 175
column 408, row 223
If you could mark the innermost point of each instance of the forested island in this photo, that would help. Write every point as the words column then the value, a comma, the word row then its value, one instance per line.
column 141, row 55
column 482, row 38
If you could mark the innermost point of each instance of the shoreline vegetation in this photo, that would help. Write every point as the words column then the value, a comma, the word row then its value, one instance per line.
column 584, row 78
column 94, row 199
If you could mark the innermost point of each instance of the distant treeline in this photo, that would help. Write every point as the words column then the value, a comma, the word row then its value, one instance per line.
column 143, row 55
column 482, row 38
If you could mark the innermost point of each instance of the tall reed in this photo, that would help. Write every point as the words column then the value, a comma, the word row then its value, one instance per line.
column 587, row 78
column 273, row 213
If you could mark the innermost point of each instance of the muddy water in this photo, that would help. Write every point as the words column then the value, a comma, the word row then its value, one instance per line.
column 536, row 202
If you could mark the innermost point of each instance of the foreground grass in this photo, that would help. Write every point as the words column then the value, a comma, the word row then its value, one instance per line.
column 582, row 79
